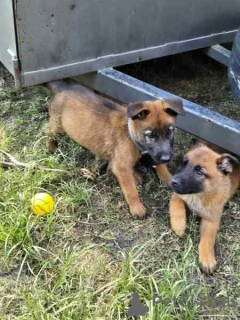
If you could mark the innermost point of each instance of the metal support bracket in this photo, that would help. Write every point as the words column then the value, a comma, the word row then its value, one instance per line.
column 16, row 68
column 198, row 120
column 218, row 53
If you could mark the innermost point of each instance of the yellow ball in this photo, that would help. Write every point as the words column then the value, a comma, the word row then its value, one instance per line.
column 42, row 203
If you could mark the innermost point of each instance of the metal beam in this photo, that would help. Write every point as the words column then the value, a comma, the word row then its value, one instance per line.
column 198, row 121
column 218, row 53
column 81, row 67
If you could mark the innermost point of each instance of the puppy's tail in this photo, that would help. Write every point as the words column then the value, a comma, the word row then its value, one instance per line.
column 56, row 86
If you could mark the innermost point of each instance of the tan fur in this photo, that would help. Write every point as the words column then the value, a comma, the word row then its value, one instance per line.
column 209, row 204
column 101, row 126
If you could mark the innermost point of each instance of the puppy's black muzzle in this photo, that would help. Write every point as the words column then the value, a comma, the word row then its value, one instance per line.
column 176, row 184
column 161, row 158
column 186, row 183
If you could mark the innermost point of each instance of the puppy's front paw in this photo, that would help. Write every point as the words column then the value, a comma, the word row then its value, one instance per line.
column 208, row 263
column 179, row 231
column 178, row 225
column 138, row 211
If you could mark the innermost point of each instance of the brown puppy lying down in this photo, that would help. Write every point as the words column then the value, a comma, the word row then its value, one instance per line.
column 115, row 132
column 206, row 181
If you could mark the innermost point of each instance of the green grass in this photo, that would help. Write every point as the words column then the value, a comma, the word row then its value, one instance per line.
column 79, row 261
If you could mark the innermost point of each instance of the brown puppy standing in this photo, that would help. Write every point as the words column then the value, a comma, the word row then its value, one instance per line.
column 205, row 183
column 115, row 132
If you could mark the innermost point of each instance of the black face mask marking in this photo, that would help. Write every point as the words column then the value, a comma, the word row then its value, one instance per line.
column 159, row 144
column 189, row 180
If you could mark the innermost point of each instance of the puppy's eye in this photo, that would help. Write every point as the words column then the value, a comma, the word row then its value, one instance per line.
column 169, row 130
column 143, row 114
column 199, row 170
column 185, row 162
column 150, row 134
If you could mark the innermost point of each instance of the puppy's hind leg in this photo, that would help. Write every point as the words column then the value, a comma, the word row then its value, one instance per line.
column 51, row 141
column 53, row 128
column 137, row 177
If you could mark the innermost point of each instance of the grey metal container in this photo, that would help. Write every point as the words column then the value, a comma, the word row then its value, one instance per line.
column 43, row 40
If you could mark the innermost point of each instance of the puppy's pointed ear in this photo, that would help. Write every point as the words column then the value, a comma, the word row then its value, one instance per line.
column 137, row 110
column 226, row 162
column 174, row 107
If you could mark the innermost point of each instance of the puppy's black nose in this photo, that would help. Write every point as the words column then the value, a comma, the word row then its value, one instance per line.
column 165, row 158
column 175, row 182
